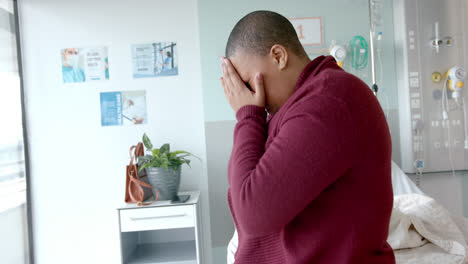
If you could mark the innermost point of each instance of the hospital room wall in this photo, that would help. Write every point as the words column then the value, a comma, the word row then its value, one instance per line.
column 342, row 19
column 449, row 189
column 465, row 176
column 350, row 18
column 77, row 166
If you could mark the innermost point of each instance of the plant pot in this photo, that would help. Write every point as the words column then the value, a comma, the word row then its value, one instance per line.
column 166, row 182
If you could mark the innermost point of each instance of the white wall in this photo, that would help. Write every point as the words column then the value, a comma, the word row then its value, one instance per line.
column 445, row 188
column 77, row 166
column 13, row 241
column 219, row 135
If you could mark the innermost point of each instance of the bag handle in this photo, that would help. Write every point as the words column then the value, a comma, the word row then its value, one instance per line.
column 139, row 185
column 139, row 151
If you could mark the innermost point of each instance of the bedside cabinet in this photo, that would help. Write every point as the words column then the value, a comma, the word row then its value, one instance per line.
column 161, row 232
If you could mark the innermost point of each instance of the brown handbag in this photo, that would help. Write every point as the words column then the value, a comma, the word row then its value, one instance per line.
column 137, row 188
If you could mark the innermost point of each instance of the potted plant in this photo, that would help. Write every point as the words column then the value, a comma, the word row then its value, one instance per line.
column 163, row 168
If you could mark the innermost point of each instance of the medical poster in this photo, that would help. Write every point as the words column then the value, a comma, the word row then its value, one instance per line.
column 309, row 30
column 123, row 108
column 155, row 59
column 84, row 64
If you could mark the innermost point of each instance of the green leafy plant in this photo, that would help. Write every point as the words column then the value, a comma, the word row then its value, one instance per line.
column 163, row 157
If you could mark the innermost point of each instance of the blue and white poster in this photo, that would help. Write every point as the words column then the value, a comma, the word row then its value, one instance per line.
column 123, row 108
column 84, row 64
column 155, row 59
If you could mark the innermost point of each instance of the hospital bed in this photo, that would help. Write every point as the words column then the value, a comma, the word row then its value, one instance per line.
column 421, row 231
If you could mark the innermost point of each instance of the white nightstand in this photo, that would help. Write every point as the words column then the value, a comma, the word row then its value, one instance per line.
column 161, row 232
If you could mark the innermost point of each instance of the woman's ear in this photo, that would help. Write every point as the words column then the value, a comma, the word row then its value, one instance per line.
column 279, row 55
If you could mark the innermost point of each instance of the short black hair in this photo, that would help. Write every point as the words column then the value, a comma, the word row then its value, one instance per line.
column 258, row 31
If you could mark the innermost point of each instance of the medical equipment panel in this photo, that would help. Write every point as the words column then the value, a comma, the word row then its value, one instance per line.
column 431, row 59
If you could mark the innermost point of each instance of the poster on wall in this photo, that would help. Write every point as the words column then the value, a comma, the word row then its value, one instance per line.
column 84, row 64
column 309, row 30
column 155, row 59
column 123, row 108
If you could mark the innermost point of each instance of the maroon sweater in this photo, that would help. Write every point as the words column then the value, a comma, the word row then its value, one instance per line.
column 312, row 184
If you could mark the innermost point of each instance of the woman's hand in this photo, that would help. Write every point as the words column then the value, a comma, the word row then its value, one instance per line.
column 237, row 93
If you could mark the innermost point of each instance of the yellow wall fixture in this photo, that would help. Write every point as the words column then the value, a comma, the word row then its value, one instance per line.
column 436, row 77
column 456, row 77
column 339, row 53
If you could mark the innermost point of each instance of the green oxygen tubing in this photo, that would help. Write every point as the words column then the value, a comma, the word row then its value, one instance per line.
column 359, row 52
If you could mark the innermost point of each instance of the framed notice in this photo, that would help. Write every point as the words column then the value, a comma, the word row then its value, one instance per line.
column 309, row 30
column 155, row 59
column 84, row 64
column 123, row 108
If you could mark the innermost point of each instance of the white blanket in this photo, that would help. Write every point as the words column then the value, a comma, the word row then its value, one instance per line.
column 423, row 232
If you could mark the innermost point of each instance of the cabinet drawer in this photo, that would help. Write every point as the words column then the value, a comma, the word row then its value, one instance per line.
column 157, row 218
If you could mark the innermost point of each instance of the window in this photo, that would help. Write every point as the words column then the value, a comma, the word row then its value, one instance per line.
column 14, row 241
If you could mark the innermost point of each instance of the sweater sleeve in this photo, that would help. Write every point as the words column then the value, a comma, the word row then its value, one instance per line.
column 315, row 145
